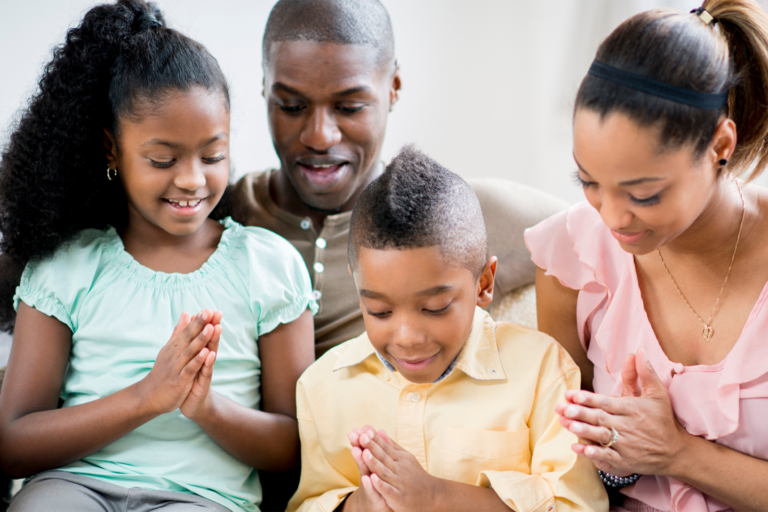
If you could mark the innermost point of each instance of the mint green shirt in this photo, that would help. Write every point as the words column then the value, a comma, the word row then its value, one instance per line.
column 122, row 313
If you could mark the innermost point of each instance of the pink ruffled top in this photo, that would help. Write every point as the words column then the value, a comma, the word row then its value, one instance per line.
column 725, row 403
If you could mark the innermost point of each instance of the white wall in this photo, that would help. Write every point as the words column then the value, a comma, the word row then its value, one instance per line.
column 488, row 85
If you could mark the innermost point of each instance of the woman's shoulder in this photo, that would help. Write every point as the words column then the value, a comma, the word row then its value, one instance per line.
column 576, row 247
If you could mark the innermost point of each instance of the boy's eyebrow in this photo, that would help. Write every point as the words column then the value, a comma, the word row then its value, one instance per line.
column 371, row 294
column 437, row 290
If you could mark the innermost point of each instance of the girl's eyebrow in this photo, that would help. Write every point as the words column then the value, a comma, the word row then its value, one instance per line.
column 629, row 183
column 161, row 142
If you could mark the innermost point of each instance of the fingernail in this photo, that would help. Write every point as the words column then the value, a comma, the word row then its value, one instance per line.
column 367, row 455
column 580, row 398
column 571, row 411
column 589, row 450
column 364, row 438
column 576, row 428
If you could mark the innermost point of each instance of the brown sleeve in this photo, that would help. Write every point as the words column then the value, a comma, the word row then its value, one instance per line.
column 510, row 208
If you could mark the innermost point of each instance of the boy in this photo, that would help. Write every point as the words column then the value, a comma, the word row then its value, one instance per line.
column 465, row 405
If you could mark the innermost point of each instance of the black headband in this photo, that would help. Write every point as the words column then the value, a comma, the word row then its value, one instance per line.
column 654, row 87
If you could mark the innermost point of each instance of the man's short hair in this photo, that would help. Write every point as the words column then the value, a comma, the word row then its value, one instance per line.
column 415, row 203
column 355, row 22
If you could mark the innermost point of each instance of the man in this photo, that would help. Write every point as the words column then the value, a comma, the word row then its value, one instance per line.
column 330, row 80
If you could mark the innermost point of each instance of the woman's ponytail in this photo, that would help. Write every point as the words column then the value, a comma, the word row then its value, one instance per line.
column 53, row 180
column 744, row 24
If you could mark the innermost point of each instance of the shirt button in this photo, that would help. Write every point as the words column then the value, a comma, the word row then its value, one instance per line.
column 305, row 224
column 320, row 243
column 551, row 509
column 385, row 376
column 319, row 267
column 415, row 397
column 316, row 294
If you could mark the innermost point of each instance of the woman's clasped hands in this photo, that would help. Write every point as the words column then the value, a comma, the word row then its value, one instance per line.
column 635, row 433
column 182, row 373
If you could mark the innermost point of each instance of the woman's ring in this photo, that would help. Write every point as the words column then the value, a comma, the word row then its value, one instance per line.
column 614, row 437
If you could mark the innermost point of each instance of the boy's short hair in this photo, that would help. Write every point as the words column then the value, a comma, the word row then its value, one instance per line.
column 417, row 202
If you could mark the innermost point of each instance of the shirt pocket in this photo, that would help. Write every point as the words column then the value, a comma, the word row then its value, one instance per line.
column 469, row 452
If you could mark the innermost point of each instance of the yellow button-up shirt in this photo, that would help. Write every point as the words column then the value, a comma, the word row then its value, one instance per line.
column 490, row 422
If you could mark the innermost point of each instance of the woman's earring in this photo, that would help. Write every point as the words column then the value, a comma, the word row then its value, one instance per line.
column 723, row 163
column 110, row 177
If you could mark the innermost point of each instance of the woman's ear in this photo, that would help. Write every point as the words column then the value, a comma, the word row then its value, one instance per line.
column 485, row 283
column 723, row 143
column 110, row 146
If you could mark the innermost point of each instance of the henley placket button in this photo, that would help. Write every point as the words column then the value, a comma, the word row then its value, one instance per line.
column 317, row 294
column 415, row 397
column 305, row 224
column 320, row 243
column 319, row 267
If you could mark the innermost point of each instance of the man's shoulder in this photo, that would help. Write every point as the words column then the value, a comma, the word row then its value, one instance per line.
column 249, row 201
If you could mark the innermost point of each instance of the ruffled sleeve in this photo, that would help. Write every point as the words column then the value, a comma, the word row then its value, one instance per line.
column 577, row 248
column 552, row 249
column 56, row 286
column 279, row 283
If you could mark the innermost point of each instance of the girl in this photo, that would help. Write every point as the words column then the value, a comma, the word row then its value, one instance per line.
column 106, row 189
column 657, row 285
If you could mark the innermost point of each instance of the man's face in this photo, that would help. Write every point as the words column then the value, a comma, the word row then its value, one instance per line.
column 327, row 105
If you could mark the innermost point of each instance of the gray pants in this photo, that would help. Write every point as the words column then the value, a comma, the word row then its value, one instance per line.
column 60, row 491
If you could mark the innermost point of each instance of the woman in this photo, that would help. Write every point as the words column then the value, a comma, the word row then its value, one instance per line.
column 656, row 285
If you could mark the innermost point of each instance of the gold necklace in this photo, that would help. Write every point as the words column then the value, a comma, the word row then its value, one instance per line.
column 707, row 331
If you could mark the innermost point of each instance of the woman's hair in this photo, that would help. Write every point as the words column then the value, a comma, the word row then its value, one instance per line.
column 680, row 49
column 120, row 63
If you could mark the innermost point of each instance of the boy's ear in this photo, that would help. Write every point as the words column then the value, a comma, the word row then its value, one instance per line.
column 110, row 146
column 349, row 268
column 485, row 283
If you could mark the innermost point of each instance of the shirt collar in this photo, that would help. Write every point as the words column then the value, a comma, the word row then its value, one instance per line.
column 479, row 358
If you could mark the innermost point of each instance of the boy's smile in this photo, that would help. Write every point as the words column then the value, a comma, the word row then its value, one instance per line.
column 417, row 309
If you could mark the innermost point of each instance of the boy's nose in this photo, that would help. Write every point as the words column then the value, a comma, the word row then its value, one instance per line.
column 409, row 335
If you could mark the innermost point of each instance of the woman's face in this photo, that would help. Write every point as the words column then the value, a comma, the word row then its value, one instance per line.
column 645, row 196
column 174, row 162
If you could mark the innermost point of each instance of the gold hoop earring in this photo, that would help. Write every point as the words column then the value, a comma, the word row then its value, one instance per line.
column 109, row 175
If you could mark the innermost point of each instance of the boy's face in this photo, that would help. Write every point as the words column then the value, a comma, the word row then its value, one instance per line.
column 417, row 309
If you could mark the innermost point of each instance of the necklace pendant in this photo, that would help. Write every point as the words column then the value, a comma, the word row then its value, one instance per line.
column 707, row 332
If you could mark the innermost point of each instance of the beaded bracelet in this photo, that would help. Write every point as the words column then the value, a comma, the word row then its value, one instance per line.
column 618, row 482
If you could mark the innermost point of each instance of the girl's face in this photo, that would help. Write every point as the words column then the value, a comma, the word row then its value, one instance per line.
column 646, row 197
column 174, row 162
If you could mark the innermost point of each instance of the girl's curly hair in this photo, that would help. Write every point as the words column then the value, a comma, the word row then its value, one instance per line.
column 119, row 63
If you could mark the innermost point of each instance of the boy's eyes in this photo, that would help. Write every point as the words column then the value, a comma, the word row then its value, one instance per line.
column 384, row 314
